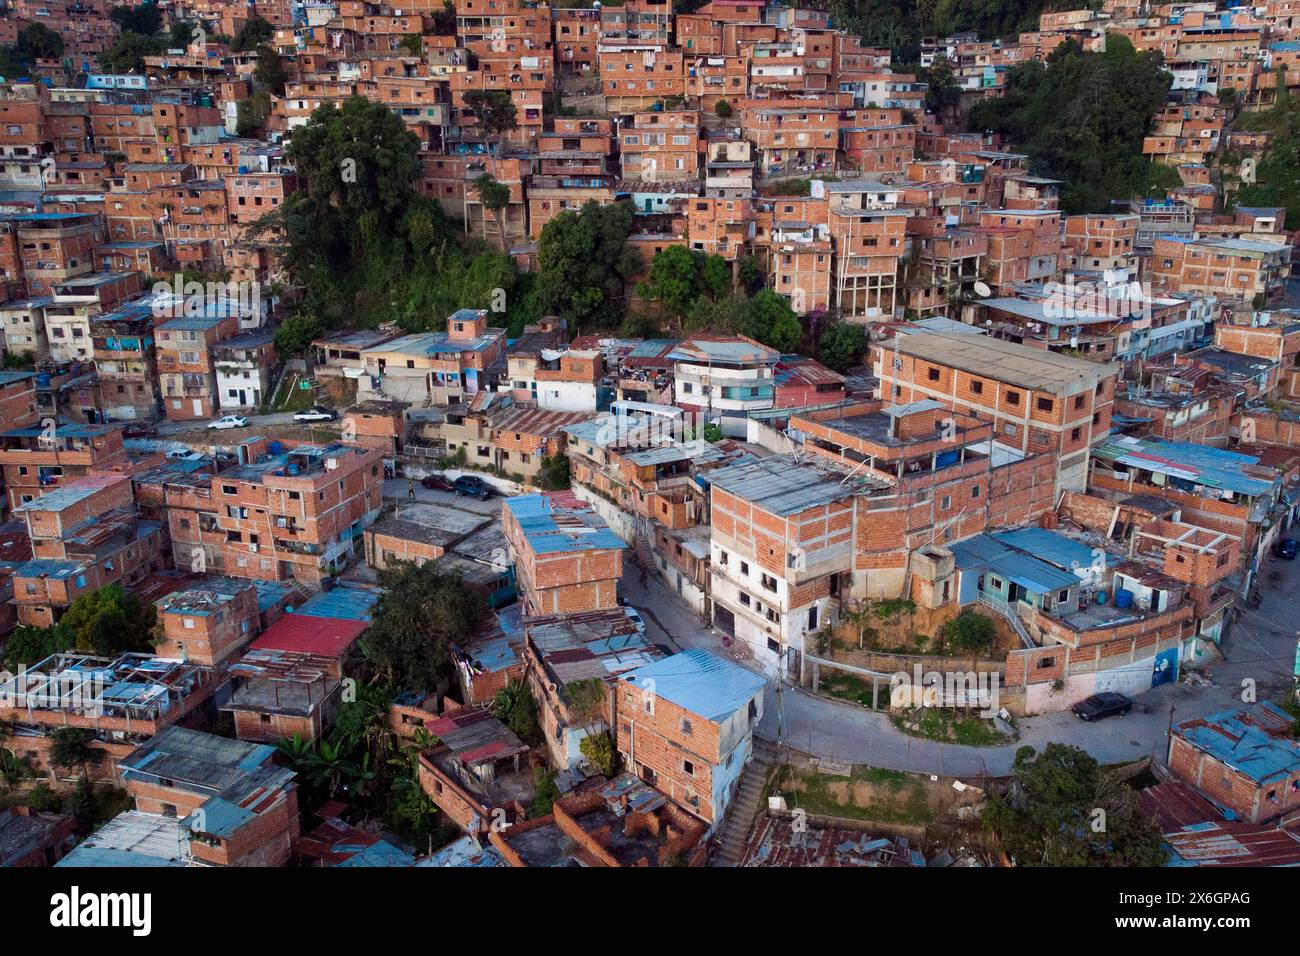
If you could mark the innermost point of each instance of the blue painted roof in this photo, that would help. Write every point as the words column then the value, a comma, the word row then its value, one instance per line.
column 985, row 552
column 381, row 853
column 551, row 529
column 1056, row 549
column 1200, row 464
column 1234, row 737
column 352, row 604
column 700, row 682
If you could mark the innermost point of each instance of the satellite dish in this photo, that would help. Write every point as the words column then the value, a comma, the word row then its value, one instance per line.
column 982, row 290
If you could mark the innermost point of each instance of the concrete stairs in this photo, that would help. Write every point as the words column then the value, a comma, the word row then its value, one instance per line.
column 746, row 806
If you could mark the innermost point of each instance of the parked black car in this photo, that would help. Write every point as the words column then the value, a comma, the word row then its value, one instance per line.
column 1287, row 549
column 473, row 487
column 1102, row 705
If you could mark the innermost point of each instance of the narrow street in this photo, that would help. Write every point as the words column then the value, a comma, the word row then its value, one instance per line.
column 1260, row 648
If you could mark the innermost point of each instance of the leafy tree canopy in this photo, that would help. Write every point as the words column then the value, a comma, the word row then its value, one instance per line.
column 1065, row 809
column 584, row 263
column 252, row 34
column 1082, row 117
column 414, row 622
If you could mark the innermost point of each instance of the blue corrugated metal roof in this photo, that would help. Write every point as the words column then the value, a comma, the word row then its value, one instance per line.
column 1243, row 745
column 987, row 552
column 353, row 604
column 1056, row 549
column 700, row 682
column 550, row 529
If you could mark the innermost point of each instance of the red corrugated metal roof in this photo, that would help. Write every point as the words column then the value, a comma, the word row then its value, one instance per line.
column 308, row 634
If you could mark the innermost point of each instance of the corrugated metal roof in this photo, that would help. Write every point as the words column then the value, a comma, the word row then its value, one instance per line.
column 550, row 529
column 700, row 682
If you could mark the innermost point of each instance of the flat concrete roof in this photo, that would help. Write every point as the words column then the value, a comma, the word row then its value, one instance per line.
column 1030, row 368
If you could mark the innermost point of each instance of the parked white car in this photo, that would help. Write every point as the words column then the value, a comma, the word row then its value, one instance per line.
column 316, row 414
column 229, row 421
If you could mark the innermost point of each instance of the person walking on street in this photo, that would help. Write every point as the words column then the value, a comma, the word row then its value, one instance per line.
column 410, row 487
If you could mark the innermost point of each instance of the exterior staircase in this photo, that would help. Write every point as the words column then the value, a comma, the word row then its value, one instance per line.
column 746, row 805
column 1009, row 615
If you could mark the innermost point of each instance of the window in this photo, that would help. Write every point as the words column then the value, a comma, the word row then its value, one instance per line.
column 688, row 768
column 977, row 387
column 744, row 568
column 1013, row 398
column 1045, row 662
column 945, row 502
column 975, row 491
column 685, row 726
column 769, row 582
column 1078, row 401
column 1075, row 433
column 1044, row 404
column 933, row 374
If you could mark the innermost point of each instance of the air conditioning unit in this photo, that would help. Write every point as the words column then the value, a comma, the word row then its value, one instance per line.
column 252, row 548
column 798, row 559
column 331, row 464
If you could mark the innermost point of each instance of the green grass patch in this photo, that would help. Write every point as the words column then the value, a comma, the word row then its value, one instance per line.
column 846, row 686
column 945, row 726
column 817, row 793
column 291, row 396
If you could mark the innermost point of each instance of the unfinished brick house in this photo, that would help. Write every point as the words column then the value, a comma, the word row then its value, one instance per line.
column 566, row 558
column 236, row 806
column 1243, row 760
column 685, row 726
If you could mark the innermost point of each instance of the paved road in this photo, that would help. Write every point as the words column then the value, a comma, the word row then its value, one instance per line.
column 169, row 429
column 1260, row 648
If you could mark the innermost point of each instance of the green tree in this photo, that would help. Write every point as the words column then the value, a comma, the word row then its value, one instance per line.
column 722, row 109
column 127, row 54
column 555, row 471
column 328, row 767
column 251, row 113
column 420, row 613
column 970, row 632
column 841, row 346
column 297, row 332
column 545, row 793
column 1065, row 809
column 145, row 19
column 495, row 115
column 720, row 315
column 674, row 280
column 362, row 724
column 770, row 320
column 599, row 748
column 270, row 70
column 13, row 769
column 413, row 43
column 495, row 198
column 70, row 748
column 584, row 263
column 39, row 42
column 942, row 94
column 254, row 33
column 514, row 706
column 1082, row 117
column 28, row 646
column 181, row 32
column 110, row 621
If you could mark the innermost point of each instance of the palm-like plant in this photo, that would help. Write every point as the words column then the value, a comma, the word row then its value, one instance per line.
column 295, row 751
column 327, row 767
column 13, row 769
